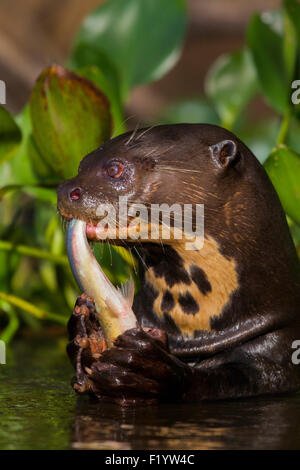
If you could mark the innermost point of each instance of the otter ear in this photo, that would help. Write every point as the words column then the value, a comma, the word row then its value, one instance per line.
column 224, row 153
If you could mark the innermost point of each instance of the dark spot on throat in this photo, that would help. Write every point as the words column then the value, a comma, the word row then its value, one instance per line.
column 200, row 279
column 169, row 325
column 167, row 302
column 169, row 265
column 188, row 303
column 150, row 292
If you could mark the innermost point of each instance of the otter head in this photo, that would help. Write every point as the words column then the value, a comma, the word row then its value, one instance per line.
column 164, row 165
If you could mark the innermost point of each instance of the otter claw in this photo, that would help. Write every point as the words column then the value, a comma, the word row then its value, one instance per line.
column 86, row 341
column 82, row 341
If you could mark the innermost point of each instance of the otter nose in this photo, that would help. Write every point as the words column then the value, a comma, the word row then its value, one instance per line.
column 75, row 194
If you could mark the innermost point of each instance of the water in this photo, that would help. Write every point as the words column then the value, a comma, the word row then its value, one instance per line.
column 39, row 410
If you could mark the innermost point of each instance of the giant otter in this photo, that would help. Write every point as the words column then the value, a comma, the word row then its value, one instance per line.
column 213, row 323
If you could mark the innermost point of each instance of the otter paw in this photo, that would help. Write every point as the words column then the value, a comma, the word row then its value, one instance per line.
column 86, row 341
column 138, row 368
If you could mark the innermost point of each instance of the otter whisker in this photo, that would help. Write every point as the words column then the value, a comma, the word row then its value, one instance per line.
column 182, row 170
column 110, row 253
column 145, row 132
column 132, row 260
column 141, row 258
column 101, row 249
column 162, row 245
column 150, row 153
column 132, row 135
column 122, row 124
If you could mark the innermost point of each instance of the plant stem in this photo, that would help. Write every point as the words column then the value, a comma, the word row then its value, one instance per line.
column 13, row 325
column 284, row 127
column 33, row 252
column 32, row 309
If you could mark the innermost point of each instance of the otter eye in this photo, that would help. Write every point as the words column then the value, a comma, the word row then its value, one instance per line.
column 114, row 170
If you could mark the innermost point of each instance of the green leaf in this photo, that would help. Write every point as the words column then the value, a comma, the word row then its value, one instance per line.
column 25, row 165
column 95, row 75
column 283, row 167
column 21, row 165
column 292, row 8
column 70, row 118
column 9, row 188
column 274, row 19
column 39, row 192
column 18, row 170
column 266, row 46
column 10, row 135
column 28, row 165
column 84, row 56
column 292, row 13
column 290, row 46
column 42, row 171
column 231, row 83
column 295, row 232
column 293, row 140
column 142, row 38
column 192, row 111
column 260, row 136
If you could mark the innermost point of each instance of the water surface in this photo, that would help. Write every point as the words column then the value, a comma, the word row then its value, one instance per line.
column 39, row 410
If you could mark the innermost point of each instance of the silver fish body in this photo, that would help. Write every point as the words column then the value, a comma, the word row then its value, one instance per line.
column 113, row 306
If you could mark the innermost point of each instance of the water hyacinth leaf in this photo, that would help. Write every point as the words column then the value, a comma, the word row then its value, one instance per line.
column 292, row 139
column 290, row 45
column 260, row 136
column 292, row 8
column 19, row 169
column 28, row 166
column 9, row 188
column 295, row 232
column 21, row 165
column 40, row 168
column 10, row 135
column 231, row 83
column 143, row 38
column 266, row 46
column 25, row 166
column 283, row 167
column 84, row 57
column 191, row 111
column 95, row 75
column 70, row 118
column 274, row 19
column 39, row 192
column 42, row 194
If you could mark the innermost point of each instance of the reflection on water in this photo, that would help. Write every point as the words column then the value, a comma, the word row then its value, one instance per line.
column 38, row 410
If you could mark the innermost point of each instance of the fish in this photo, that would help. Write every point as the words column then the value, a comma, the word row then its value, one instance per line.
column 113, row 305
